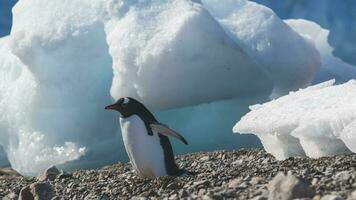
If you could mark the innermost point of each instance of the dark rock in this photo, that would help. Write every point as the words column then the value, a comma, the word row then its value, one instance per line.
column 42, row 191
column 64, row 175
column 26, row 194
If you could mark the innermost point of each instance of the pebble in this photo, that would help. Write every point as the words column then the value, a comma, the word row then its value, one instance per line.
column 227, row 174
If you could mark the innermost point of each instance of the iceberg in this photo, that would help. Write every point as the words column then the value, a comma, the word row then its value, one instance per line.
column 337, row 17
column 172, row 54
column 314, row 122
column 331, row 67
column 265, row 37
column 26, row 149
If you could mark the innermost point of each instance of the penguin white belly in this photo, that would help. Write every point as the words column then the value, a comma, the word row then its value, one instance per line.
column 145, row 152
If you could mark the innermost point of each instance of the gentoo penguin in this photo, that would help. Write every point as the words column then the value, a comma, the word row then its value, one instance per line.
column 145, row 139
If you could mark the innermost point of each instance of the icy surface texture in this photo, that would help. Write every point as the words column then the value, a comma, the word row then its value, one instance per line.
column 174, row 53
column 57, row 78
column 28, row 149
column 266, row 39
column 312, row 122
column 331, row 66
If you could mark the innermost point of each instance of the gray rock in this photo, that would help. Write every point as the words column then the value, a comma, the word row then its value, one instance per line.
column 352, row 196
column 26, row 194
column 11, row 196
column 343, row 175
column 42, row 191
column 235, row 183
column 49, row 174
column 285, row 187
column 9, row 172
column 57, row 198
column 204, row 158
column 332, row 197
column 257, row 180
column 260, row 197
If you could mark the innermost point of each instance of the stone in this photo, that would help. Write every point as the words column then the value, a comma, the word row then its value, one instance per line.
column 285, row 187
column 9, row 172
column 235, row 183
column 199, row 184
column 343, row 176
column 257, row 180
column 42, row 191
column 260, row 197
column 11, row 196
column 352, row 196
column 331, row 197
column 26, row 194
column 316, row 197
column 204, row 158
column 58, row 198
column 49, row 174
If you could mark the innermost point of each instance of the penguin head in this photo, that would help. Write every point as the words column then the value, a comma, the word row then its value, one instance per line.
column 126, row 106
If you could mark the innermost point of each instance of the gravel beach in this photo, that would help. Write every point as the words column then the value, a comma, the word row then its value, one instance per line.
column 235, row 174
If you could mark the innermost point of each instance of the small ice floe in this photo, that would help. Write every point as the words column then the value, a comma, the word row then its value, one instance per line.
column 317, row 121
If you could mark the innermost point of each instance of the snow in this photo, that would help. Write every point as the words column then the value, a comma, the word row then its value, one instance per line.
column 312, row 122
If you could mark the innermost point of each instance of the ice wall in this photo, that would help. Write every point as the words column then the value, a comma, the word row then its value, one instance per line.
column 316, row 121
column 65, row 82
column 28, row 148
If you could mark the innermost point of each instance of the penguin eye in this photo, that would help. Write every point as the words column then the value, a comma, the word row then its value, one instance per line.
column 126, row 100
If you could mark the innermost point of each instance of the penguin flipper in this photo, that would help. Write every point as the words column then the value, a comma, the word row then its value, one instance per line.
column 164, row 130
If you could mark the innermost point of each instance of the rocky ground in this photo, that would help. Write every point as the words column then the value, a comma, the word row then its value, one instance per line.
column 240, row 174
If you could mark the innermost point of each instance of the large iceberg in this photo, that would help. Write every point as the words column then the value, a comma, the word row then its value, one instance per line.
column 316, row 121
column 64, row 61
column 266, row 39
column 159, row 48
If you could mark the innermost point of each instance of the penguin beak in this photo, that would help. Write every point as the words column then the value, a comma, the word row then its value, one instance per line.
column 111, row 107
